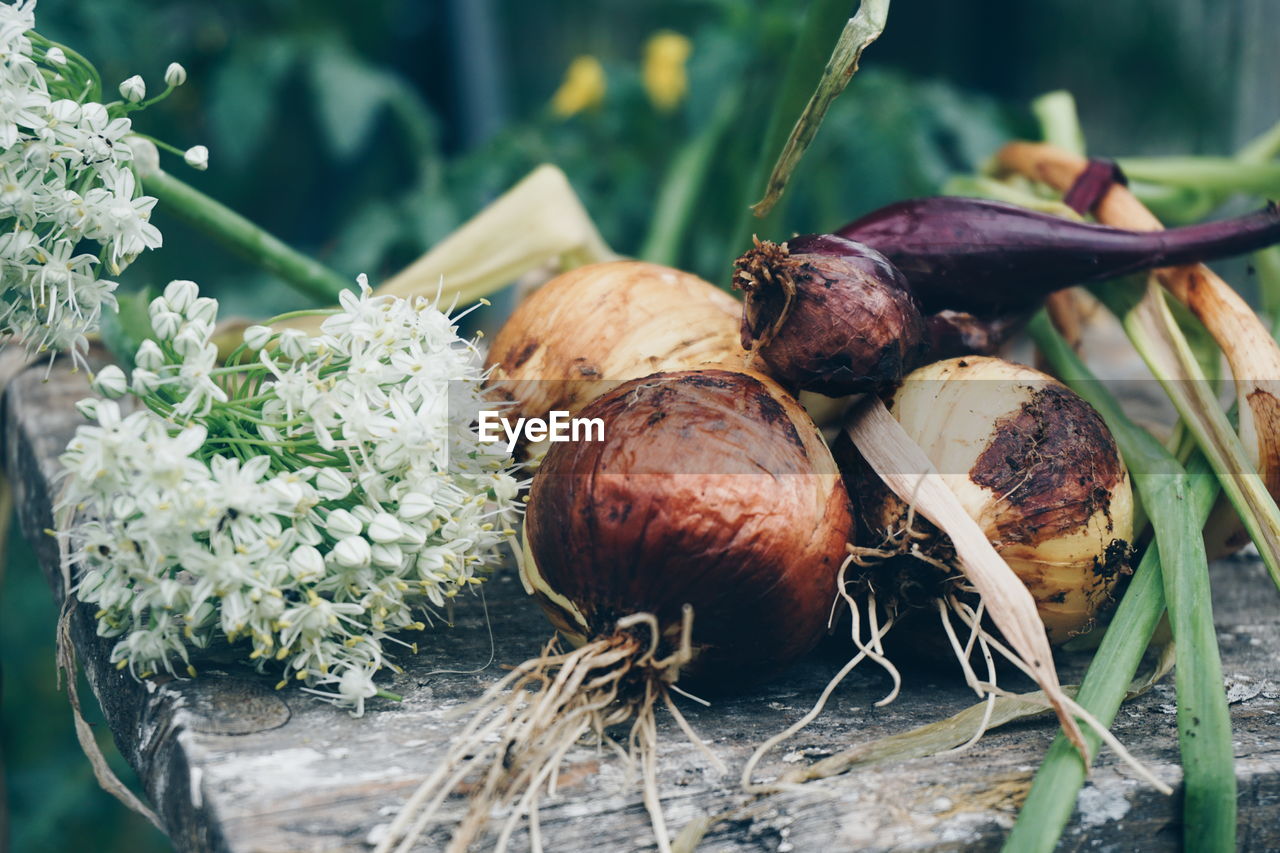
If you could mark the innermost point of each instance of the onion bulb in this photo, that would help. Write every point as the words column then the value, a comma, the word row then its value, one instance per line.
column 1033, row 464
column 712, row 489
column 829, row 315
column 586, row 330
column 699, row 542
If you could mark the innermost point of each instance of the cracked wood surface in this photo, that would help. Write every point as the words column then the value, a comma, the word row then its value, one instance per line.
column 233, row 765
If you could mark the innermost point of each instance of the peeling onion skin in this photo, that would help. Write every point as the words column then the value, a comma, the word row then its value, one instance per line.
column 712, row 488
column 828, row 315
column 1032, row 463
column 585, row 331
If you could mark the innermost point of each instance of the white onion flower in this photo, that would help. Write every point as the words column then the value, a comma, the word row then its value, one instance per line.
column 134, row 89
column 110, row 382
column 149, row 356
column 354, row 552
column 175, row 75
column 66, row 184
column 179, row 295
column 257, row 337
column 197, row 157
column 305, row 503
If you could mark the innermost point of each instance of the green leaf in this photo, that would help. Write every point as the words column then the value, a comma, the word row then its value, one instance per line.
column 860, row 31
column 683, row 184
column 367, row 237
column 349, row 94
column 804, row 69
column 1176, row 570
column 244, row 98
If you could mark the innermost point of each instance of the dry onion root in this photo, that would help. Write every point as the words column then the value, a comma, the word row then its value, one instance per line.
column 699, row 541
column 1036, row 474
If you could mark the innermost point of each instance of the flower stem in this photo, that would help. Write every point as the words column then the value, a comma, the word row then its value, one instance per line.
column 244, row 238
column 304, row 312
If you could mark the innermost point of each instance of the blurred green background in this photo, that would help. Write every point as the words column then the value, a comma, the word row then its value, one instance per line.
column 363, row 133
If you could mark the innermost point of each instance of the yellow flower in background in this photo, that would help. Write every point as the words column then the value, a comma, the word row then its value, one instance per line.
column 583, row 87
column 665, row 55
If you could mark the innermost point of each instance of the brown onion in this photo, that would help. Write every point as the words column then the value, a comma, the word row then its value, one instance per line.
column 713, row 489
column 585, row 331
column 700, row 540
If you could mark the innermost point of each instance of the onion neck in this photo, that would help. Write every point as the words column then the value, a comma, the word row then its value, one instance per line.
column 766, row 274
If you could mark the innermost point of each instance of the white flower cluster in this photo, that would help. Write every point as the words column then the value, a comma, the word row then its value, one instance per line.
column 306, row 503
column 65, row 183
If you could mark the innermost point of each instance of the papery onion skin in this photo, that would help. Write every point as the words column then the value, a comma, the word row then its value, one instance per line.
column 712, row 488
column 957, row 333
column 1033, row 463
column 828, row 315
column 585, row 331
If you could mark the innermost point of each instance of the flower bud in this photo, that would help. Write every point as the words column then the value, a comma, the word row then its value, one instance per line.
column 175, row 75
column 389, row 556
column 413, row 536
column 332, row 484
column 431, row 560
column 144, row 381
column 353, row 552
column 191, row 340
column 305, row 562
column 293, row 344
column 203, row 310
column 55, row 56
column 149, row 355
column 286, row 491
column 257, row 337
column 415, row 505
column 197, row 157
column 110, row 382
column 133, row 90
column 180, row 295
column 385, row 528
column 88, row 408
column 146, row 157
column 341, row 524
column 307, row 532
column 38, row 153
column 93, row 114
column 107, row 413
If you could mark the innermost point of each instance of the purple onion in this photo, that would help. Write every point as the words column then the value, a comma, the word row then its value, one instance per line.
column 988, row 257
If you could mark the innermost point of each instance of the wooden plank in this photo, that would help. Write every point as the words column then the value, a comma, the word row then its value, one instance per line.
column 233, row 765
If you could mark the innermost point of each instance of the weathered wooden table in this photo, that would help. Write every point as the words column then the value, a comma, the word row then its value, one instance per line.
column 233, row 765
